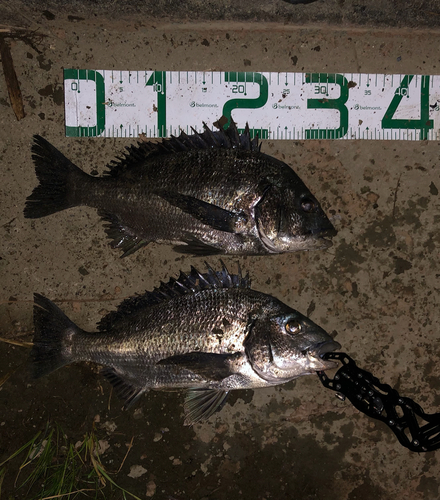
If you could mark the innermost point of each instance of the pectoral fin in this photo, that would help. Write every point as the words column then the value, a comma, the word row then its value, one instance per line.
column 194, row 246
column 212, row 215
column 210, row 366
column 200, row 404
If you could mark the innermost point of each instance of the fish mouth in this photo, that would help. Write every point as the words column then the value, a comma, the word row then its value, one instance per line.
column 314, row 239
column 326, row 231
column 316, row 356
column 324, row 235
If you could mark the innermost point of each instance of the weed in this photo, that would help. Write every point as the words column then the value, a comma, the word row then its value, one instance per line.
column 53, row 468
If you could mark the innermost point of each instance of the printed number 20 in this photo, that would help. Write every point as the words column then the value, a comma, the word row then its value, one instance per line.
column 238, row 89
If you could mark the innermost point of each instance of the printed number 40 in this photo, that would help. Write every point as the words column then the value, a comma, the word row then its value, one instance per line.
column 424, row 124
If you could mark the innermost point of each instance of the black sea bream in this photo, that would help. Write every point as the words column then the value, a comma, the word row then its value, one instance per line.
column 208, row 193
column 207, row 333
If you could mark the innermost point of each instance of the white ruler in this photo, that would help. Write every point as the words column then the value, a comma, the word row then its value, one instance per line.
column 295, row 106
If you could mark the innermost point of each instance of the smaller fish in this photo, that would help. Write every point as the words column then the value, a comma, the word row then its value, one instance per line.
column 206, row 194
column 207, row 333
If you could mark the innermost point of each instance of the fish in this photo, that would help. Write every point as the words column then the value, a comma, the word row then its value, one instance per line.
column 204, row 333
column 206, row 193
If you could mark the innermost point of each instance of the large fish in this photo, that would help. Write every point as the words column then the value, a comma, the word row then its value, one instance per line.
column 208, row 333
column 208, row 193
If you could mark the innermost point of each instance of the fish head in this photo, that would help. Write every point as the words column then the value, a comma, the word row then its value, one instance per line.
column 289, row 218
column 286, row 346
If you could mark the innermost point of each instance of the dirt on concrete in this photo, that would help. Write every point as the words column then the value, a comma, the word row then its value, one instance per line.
column 342, row 13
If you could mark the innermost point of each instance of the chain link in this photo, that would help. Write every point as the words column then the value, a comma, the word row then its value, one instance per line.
column 415, row 429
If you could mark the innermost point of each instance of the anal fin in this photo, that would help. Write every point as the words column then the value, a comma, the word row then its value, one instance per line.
column 200, row 404
column 124, row 388
column 123, row 237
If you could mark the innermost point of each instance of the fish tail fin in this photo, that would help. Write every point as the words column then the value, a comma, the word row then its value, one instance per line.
column 58, row 178
column 53, row 336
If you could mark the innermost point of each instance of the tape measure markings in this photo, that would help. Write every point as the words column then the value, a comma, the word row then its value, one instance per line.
column 293, row 106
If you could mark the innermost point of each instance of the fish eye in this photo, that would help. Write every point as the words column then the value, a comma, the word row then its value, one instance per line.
column 307, row 204
column 293, row 327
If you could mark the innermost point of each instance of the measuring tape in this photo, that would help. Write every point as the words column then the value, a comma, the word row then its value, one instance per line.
column 292, row 106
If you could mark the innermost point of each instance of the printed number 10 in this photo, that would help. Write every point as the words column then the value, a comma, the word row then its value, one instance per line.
column 157, row 81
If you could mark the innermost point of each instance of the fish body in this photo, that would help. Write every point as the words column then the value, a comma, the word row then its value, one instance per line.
column 208, row 193
column 208, row 333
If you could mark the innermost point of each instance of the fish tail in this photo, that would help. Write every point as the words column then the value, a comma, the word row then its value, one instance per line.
column 53, row 336
column 58, row 177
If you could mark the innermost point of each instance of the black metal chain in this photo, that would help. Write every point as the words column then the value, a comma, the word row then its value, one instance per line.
column 402, row 415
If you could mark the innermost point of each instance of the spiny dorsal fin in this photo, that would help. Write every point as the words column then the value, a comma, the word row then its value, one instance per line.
column 192, row 282
column 221, row 139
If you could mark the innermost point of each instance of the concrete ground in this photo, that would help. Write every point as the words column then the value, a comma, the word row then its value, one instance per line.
column 375, row 290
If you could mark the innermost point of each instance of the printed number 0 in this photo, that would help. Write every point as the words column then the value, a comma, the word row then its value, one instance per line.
column 94, row 76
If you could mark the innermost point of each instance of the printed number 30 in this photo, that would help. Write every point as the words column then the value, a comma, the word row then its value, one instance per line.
column 339, row 104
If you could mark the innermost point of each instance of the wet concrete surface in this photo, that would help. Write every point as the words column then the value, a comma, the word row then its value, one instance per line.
column 375, row 290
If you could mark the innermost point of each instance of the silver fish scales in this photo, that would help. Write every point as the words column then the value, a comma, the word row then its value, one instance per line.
column 206, row 333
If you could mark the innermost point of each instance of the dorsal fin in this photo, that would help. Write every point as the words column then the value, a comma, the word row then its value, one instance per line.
column 192, row 282
column 221, row 139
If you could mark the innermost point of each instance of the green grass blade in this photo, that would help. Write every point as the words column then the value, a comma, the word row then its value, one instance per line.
column 62, row 470
column 2, row 476
column 28, row 444
column 110, row 480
